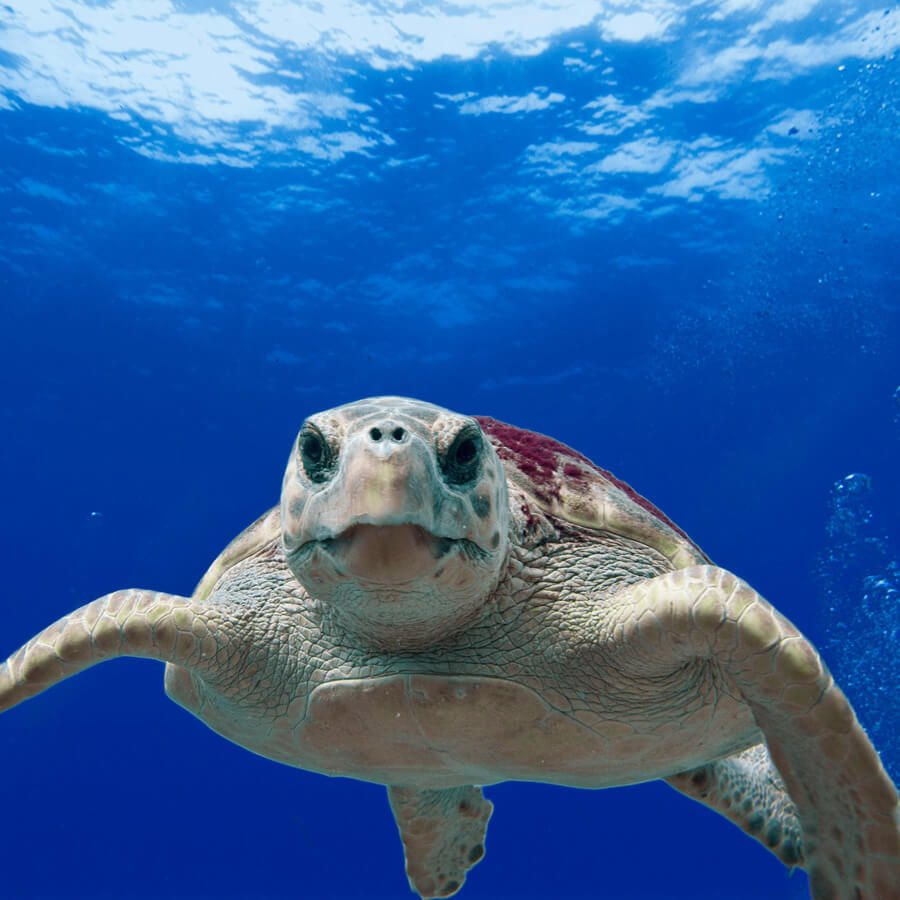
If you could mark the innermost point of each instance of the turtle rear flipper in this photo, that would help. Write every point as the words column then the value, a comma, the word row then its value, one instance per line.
column 443, row 835
column 747, row 789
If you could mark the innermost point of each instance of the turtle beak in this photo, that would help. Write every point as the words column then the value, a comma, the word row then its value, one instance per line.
column 378, row 517
column 386, row 483
column 382, row 512
column 387, row 554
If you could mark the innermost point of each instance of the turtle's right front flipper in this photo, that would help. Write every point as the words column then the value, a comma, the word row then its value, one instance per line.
column 443, row 835
column 125, row 623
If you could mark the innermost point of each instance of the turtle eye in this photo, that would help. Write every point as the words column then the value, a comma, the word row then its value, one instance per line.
column 460, row 463
column 315, row 454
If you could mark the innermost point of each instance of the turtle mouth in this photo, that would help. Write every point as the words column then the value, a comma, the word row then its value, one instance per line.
column 387, row 554
column 396, row 585
column 384, row 554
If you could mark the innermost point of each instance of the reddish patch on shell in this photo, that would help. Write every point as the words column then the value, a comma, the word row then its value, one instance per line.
column 538, row 457
column 571, row 471
column 535, row 455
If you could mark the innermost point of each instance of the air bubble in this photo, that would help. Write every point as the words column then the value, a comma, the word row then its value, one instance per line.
column 859, row 574
column 850, row 509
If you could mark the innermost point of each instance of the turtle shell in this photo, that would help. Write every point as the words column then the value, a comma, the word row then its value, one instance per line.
column 567, row 485
column 265, row 530
column 561, row 481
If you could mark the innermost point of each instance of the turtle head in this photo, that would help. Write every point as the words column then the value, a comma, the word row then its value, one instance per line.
column 394, row 513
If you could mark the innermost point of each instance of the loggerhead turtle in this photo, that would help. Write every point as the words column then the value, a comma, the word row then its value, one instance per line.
column 443, row 601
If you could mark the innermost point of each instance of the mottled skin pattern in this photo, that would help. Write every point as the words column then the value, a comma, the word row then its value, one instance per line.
column 441, row 602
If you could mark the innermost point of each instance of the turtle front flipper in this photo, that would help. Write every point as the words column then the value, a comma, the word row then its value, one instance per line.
column 747, row 789
column 125, row 623
column 443, row 835
column 845, row 801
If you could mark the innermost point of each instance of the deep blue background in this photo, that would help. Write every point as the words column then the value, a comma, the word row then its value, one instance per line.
column 713, row 314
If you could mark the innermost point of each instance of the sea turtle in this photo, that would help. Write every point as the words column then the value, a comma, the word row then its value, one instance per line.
column 442, row 601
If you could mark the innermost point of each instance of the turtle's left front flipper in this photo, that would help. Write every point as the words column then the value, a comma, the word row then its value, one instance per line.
column 126, row 623
column 443, row 835
column 845, row 801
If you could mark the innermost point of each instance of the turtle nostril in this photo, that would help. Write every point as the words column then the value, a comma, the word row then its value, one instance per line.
column 397, row 433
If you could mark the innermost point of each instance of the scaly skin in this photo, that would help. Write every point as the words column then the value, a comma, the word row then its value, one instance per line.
column 747, row 789
column 125, row 623
column 846, row 803
column 443, row 835
column 599, row 658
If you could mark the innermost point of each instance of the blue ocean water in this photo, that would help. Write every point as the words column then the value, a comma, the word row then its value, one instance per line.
column 663, row 233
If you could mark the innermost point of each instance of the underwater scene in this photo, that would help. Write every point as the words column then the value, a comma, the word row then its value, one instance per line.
column 663, row 233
